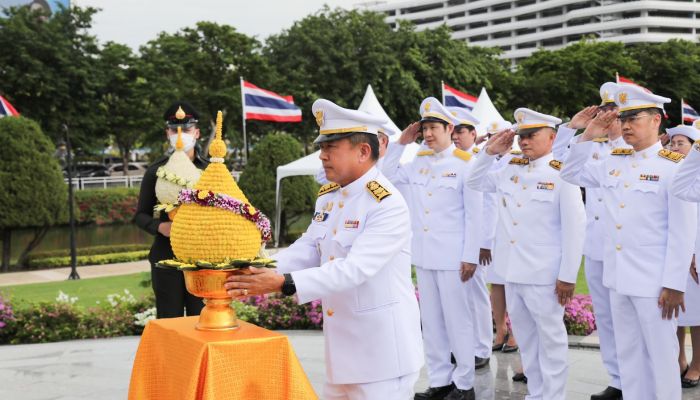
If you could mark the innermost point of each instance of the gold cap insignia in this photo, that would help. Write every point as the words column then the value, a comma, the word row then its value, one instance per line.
column 427, row 107
column 454, row 113
column 605, row 96
column 494, row 126
column 697, row 124
column 622, row 97
column 520, row 117
column 319, row 117
column 180, row 113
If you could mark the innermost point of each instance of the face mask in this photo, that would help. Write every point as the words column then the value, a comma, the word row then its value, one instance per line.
column 188, row 141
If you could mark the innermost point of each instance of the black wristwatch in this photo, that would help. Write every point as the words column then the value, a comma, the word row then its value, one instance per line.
column 288, row 287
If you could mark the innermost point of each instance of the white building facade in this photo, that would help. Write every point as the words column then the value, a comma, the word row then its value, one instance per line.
column 521, row 27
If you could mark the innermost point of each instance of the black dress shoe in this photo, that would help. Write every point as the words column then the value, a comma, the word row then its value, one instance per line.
column 460, row 394
column 499, row 346
column 610, row 393
column 519, row 377
column 689, row 383
column 509, row 349
column 481, row 362
column 435, row 393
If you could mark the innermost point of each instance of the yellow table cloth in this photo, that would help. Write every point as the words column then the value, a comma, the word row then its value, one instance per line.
column 176, row 361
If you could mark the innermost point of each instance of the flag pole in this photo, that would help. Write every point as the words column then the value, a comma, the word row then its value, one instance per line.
column 442, row 89
column 617, row 77
column 682, row 116
column 245, row 139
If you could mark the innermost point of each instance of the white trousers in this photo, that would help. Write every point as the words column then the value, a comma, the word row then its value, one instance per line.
column 538, row 323
column 448, row 326
column 481, row 310
column 600, row 295
column 647, row 348
column 400, row 388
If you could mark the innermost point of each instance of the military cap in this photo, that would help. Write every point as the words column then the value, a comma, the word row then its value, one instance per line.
column 181, row 113
column 463, row 116
column 632, row 99
column 431, row 110
column 336, row 122
column 529, row 121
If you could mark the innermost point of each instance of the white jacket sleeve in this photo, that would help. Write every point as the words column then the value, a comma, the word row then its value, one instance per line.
column 682, row 228
column 573, row 228
column 473, row 215
column 391, row 167
column 579, row 169
column 488, row 222
column 385, row 234
column 300, row 255
column 482, row 177
column 686, row 183
column 564, row 138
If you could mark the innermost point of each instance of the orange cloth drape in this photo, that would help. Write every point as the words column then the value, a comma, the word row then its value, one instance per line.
column 175, row 361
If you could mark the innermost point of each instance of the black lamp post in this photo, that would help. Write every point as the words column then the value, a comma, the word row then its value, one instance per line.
column 71, row 212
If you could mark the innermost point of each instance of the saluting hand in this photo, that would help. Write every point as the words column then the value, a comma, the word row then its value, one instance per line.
column 480, row 139
column 254, row 281
column 583, row 118
column 466, row 271
column 410, row 134
column 500, row 142
column 564, row 291
column 600, row 125
column 670, row 301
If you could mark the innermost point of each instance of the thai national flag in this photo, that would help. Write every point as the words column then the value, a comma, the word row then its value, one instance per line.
column 6, row 109
column 454, row 98
column 689, row 113
column 621, row 80
column 265, row 105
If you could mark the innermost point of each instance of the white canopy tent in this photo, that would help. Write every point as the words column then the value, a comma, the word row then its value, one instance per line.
column 310, row 165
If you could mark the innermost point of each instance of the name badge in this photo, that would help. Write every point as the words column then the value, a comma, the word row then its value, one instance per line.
column 651, row 178
column 545, row 185
column 352, row 223
column 320, row 216
column 449, row 174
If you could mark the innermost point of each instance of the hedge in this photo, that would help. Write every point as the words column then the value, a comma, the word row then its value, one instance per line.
column 97, row 259
column 106, row 206
column 89, row 251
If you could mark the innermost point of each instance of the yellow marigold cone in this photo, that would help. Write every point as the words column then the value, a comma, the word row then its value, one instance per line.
column 204, row 233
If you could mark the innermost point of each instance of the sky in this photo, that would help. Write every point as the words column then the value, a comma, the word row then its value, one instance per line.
column 135, row 22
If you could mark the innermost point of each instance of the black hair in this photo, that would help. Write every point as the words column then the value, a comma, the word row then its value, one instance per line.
column 371, row 139
column 470, row 128
column 660, row 112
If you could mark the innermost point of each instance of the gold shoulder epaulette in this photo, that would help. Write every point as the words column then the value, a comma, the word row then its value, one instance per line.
column 327, row 188
column 425, row 153
column 516, row 152
column 377, row 190
column 462, row 155
column 671, row 155
column 621, row 151
column 476, row 150
column 556, row 164
column 601, row 140
column 519, row 161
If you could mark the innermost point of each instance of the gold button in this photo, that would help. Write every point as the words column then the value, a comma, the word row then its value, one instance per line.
column 622, row 205
column 425, row 228
column 524, row 187
column 627, row 184
column 512, row 242
column 618, row 226
column 331, row 258
column 433, row 176
column 334, row 231
column 515, row 223
column 634, row 165
column 518, row 204
column 618, row 247
column 430, row 194
column 329, row 312
column 341, row 204
column 427, row 211
column 600, row 199
column 345, row 192
column 597, row 218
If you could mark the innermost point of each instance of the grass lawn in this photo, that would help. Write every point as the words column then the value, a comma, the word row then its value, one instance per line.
column 88, row 291
column 581, row 284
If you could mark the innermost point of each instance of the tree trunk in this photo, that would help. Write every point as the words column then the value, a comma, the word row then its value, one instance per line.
column 124, row 150
column 6, row 236
column 39, row 234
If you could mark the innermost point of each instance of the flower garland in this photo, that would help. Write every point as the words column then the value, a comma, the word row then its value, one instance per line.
column 224, row 202
column 163, row 173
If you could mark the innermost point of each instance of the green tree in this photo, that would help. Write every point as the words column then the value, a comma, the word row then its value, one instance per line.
column 32, row 191
column 561, row 82
column 47, row 71
column 258, row 181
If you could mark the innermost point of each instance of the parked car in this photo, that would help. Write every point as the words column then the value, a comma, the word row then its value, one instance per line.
column 87, row 170
column 135, row 168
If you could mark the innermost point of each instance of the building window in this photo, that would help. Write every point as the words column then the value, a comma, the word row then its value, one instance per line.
column 528, row 45
column 500, row 35
column 669, row 29
column 552, row 42
column 631, row 31
column 480, row 24
column 425, row 7
column 521, row 32
column 479, row 38
column 505, row 48
column 456, row 2
column 478, row 11
column 670, row 14
column 550, row 27
column 526, row 17
column 552, row 12
column 500, row 7
column 427, row 20
column 631, row 14
column 501, row 21
column 457, row 15
column 523, row 3
column 390, row 13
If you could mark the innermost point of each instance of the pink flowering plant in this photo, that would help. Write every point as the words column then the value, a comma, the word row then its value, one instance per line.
column 281, row 312
column 6, row 316
column 578, row 316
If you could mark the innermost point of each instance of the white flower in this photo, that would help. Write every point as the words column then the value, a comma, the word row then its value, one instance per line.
column 141, row 319
column 116, row 299
column 64, row 298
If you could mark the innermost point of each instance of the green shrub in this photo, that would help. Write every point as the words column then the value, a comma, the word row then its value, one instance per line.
column 106, row 206
column 98, row 259
column 245, row 312
column 89, row 251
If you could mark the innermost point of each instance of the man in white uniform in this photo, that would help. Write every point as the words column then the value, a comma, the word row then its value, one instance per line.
column 649, row 239
column 593, row 247
column 446, row 222
column 355, row 257
column 463, row 137
column 542, row 219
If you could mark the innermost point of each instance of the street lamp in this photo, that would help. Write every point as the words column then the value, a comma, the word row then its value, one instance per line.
column 71, row 213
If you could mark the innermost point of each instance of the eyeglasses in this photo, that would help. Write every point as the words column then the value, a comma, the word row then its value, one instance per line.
column 632, row 118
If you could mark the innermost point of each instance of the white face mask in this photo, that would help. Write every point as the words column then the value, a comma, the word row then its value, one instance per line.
column 188, row 141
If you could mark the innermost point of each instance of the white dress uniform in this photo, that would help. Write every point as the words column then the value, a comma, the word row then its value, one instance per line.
column 479, row 292
column 446, row 222
column 691, row 316
column 541, row 220
column 355, row 257
column 648, row 245
column 593, row 246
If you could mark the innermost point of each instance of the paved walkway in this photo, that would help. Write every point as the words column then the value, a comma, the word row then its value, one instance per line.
column 61, row 274
column 101, row 369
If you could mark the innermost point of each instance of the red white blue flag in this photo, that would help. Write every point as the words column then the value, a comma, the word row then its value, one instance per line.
column 689, row 113
column 264, row 105
column 6, row 109
column 452, row 97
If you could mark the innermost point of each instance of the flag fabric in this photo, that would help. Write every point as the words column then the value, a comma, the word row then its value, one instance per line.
column 264, row 105
column 621, row 80
column 454, row 98
column 689, row 113
column 6, row 109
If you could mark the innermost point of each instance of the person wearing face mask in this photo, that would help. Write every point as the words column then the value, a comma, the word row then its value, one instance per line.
column 172, row 299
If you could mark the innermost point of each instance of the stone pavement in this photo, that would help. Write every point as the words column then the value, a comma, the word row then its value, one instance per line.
column 100, row 369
